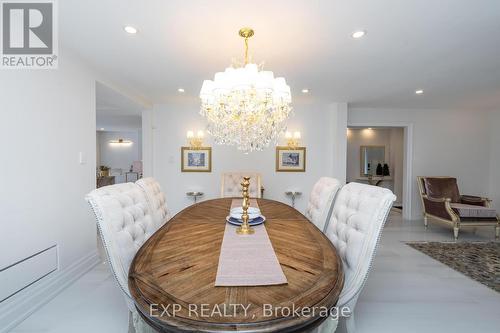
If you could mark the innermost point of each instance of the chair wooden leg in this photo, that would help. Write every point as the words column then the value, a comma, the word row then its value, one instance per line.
column 350, row 324
column 139, row 325
column 455, row 232
column 131, row 328
column 328, row 326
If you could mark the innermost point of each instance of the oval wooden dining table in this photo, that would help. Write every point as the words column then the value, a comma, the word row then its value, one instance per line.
column 172, row 276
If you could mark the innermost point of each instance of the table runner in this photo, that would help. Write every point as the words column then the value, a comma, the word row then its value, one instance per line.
column 248, row 260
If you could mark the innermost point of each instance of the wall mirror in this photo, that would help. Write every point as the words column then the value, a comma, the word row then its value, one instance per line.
column 370, row 157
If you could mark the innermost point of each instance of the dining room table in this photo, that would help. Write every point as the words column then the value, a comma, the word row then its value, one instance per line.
column 172, row 278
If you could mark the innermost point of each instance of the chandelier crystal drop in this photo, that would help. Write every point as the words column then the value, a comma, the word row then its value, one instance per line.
column 246, row 106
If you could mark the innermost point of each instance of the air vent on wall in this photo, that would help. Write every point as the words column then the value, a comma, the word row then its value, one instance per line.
column 25, row 272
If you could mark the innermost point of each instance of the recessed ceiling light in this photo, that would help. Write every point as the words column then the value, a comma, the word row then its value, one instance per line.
column 181, row 90
column 369, row 128
column 102, row 129
column 358, row 34
column 305, row 91
column 130, row 29
column 419, row 92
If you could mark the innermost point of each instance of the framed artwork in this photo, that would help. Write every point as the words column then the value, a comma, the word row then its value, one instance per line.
column 290, row 159
column 196, row 159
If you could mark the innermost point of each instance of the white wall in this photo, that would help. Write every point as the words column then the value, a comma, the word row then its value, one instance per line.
column 392, row 139
column 445, row 142
column 119, row 156
column 118, row 122
column 317, row 124
column 396, row 161
column 48, row 118
column 494, row 181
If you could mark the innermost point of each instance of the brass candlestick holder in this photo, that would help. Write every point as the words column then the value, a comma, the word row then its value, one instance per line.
column 245, row 228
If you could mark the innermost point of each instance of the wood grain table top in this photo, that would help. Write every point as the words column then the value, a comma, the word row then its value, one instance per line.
column 172, row 276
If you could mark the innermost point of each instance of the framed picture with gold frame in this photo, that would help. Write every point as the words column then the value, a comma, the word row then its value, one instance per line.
column 290, row 159
column 196, row 159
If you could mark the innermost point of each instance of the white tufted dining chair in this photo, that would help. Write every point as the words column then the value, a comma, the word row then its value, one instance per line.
column 125, row 223
column 231, row 184
column 321, row 201
column 156, row 199
column 358, row 216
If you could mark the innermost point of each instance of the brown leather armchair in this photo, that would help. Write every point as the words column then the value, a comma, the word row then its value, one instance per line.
column 442, row 203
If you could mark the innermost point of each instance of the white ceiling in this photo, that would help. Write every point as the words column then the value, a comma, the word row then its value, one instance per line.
column 110, row 102
column 116, row 112
column 449, row 48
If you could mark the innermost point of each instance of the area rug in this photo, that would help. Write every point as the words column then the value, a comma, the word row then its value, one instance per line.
column 478, row 260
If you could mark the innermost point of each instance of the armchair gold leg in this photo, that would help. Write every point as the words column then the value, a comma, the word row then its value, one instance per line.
column 455, row 232
column 426, row 223
column 497, row 231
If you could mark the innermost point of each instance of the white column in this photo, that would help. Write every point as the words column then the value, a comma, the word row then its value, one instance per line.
column 148, row 143
column 338, row 112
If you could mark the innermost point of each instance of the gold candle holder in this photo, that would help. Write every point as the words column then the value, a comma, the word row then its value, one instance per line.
column 245, row 228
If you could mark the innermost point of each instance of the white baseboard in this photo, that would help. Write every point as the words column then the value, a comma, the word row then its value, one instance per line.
column 20, row 306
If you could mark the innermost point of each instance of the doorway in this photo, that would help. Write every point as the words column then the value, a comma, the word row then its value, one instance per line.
column 118, row 137
column 380, row 155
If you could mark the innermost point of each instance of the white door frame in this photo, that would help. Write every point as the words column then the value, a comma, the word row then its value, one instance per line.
column 148, row 143
column 407, row 161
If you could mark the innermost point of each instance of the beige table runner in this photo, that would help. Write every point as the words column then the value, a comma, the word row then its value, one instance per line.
column 248, row 260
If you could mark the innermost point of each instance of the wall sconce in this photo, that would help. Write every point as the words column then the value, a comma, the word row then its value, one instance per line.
column 293, row 140
column 193, row 141
column 120, row 142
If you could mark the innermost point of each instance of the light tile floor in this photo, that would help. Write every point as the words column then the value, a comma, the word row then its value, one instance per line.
column 406, row 292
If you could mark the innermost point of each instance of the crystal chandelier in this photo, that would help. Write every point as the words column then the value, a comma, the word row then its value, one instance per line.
column 246, row 106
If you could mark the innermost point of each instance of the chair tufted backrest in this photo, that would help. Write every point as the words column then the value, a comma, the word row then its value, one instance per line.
column 321, row 201
column 125, row 223
column 231, row 184
column 358, row 216
column 156, row 200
